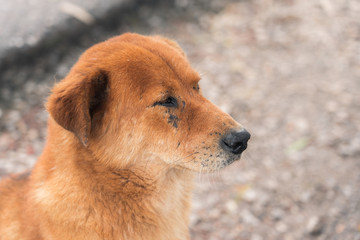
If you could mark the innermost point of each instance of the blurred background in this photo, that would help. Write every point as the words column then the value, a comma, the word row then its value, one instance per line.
column 288, row 70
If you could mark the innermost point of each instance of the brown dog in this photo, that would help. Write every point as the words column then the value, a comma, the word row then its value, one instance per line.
column 128, row 128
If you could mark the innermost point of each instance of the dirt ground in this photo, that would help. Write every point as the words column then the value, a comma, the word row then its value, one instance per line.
column 289, row 71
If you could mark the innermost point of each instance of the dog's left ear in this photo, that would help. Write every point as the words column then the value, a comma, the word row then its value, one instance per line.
column 75, row 99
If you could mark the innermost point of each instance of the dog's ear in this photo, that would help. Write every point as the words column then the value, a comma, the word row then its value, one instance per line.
column 75, row 99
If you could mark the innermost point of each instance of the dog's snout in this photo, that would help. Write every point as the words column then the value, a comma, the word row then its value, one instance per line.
column 236, row 141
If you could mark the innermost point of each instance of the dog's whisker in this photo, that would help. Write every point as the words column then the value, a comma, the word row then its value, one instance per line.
column 248, row 157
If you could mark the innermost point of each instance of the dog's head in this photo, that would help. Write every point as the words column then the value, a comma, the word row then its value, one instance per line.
column 135, row 98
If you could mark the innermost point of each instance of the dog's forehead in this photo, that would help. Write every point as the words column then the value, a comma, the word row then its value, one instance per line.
column 158, row 57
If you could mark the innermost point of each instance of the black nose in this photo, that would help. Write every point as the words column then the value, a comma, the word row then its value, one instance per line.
column 235, row 142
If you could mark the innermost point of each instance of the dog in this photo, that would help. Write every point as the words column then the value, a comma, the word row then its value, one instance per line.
column 128, row 129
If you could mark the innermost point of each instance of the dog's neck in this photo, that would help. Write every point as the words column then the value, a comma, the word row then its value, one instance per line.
column 138, row 196
column 146, row 175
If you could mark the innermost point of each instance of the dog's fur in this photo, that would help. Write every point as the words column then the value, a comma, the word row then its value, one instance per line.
column 121, row 152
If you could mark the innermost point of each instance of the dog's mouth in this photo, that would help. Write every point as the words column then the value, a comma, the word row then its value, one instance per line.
column 211, row 161
column 232, row 159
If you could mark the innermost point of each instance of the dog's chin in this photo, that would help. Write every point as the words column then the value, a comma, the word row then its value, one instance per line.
column 210, row 165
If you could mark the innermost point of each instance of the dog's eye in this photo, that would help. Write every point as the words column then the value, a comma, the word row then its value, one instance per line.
column 197, row 87
column 169, row 102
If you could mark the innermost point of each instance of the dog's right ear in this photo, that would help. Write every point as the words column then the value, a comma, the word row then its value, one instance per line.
column 75, row 99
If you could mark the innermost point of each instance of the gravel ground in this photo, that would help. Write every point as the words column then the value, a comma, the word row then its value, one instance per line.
column 289, row 71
